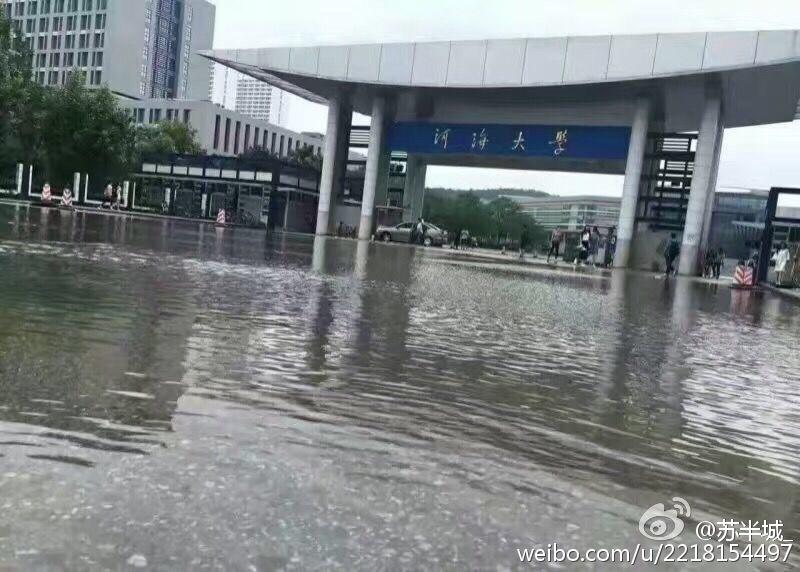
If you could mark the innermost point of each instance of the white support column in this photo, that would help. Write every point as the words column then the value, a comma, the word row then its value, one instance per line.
column 377, row 146
column 414, row 193
column 633, row 180
column 412, row 167
column 705, row 164
column 286, row 211
column 20, row 176
column 76, row 188
column 330, row 161
column 710, row 205
column 382, row 190
column 418, row 201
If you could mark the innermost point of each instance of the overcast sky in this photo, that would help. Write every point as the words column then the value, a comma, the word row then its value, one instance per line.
column 751, row 157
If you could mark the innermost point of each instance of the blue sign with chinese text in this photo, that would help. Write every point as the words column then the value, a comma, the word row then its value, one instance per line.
column 554, row 141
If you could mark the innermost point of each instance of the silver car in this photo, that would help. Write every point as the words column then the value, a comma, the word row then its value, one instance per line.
column 434, row 236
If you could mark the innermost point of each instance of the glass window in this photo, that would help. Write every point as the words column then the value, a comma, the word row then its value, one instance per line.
column 216, row 132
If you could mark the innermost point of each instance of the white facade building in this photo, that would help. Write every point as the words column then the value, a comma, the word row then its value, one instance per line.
column 571, row 213
column 138, row 48
column 249, row 96
column 222, row 131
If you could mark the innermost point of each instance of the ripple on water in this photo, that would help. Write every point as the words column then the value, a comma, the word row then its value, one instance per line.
column 406, row 406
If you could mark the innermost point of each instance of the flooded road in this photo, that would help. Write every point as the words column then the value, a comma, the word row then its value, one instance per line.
column 182, row 397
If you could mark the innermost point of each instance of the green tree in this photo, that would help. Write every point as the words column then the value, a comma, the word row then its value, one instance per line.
column 306, row 157
column 167, row 137
column 85, row 130
column 491, row 222
column 22, row 101
column 259, row 154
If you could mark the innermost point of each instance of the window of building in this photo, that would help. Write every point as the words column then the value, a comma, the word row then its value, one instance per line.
column 169, row 114
column 289, row 146
column 227, row 134
column 246, row 144
column 187, row 116
column 280, row 149
column 140, row 117
column 256, row 133
column 264, row 142
column 216, row 131
column 236, row 137
column 274, row 139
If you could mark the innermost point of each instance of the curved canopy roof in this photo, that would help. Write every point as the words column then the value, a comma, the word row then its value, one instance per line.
column 315, row 72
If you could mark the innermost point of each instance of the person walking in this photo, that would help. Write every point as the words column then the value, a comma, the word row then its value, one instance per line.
column 594, row 245
column 671, row 253
column 412, row 238
column 586, row 239
column 108, row 196
column 117, row 200
column 421, row 232
column 611, row 247
column 464, row 240
column 719, row 262
column 555, row 244
column 782, row 259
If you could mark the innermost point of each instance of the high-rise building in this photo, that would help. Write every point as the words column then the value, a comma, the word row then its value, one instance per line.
column 260, row 100
column 138, row 48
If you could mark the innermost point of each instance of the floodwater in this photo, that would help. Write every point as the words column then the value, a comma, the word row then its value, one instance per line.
column 175, row 396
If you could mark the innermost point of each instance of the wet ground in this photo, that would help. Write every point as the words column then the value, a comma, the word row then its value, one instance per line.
column 180, row 397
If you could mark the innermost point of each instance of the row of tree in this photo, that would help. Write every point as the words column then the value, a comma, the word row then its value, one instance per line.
column 69, row 128
column 494, row 223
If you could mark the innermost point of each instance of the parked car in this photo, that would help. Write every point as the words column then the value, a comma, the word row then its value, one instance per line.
column 434, row 236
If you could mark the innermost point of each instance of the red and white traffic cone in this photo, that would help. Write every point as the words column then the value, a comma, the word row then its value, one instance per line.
column 743, row 277
column 221, row 217
column 47, row 195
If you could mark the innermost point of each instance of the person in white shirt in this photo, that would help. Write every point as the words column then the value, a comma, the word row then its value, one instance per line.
column 421, row 231
column 782, row 259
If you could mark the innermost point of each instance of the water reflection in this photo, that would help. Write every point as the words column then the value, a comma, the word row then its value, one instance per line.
column 392, row 407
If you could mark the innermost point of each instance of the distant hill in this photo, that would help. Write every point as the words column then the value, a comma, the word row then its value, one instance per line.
column 485, row 194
